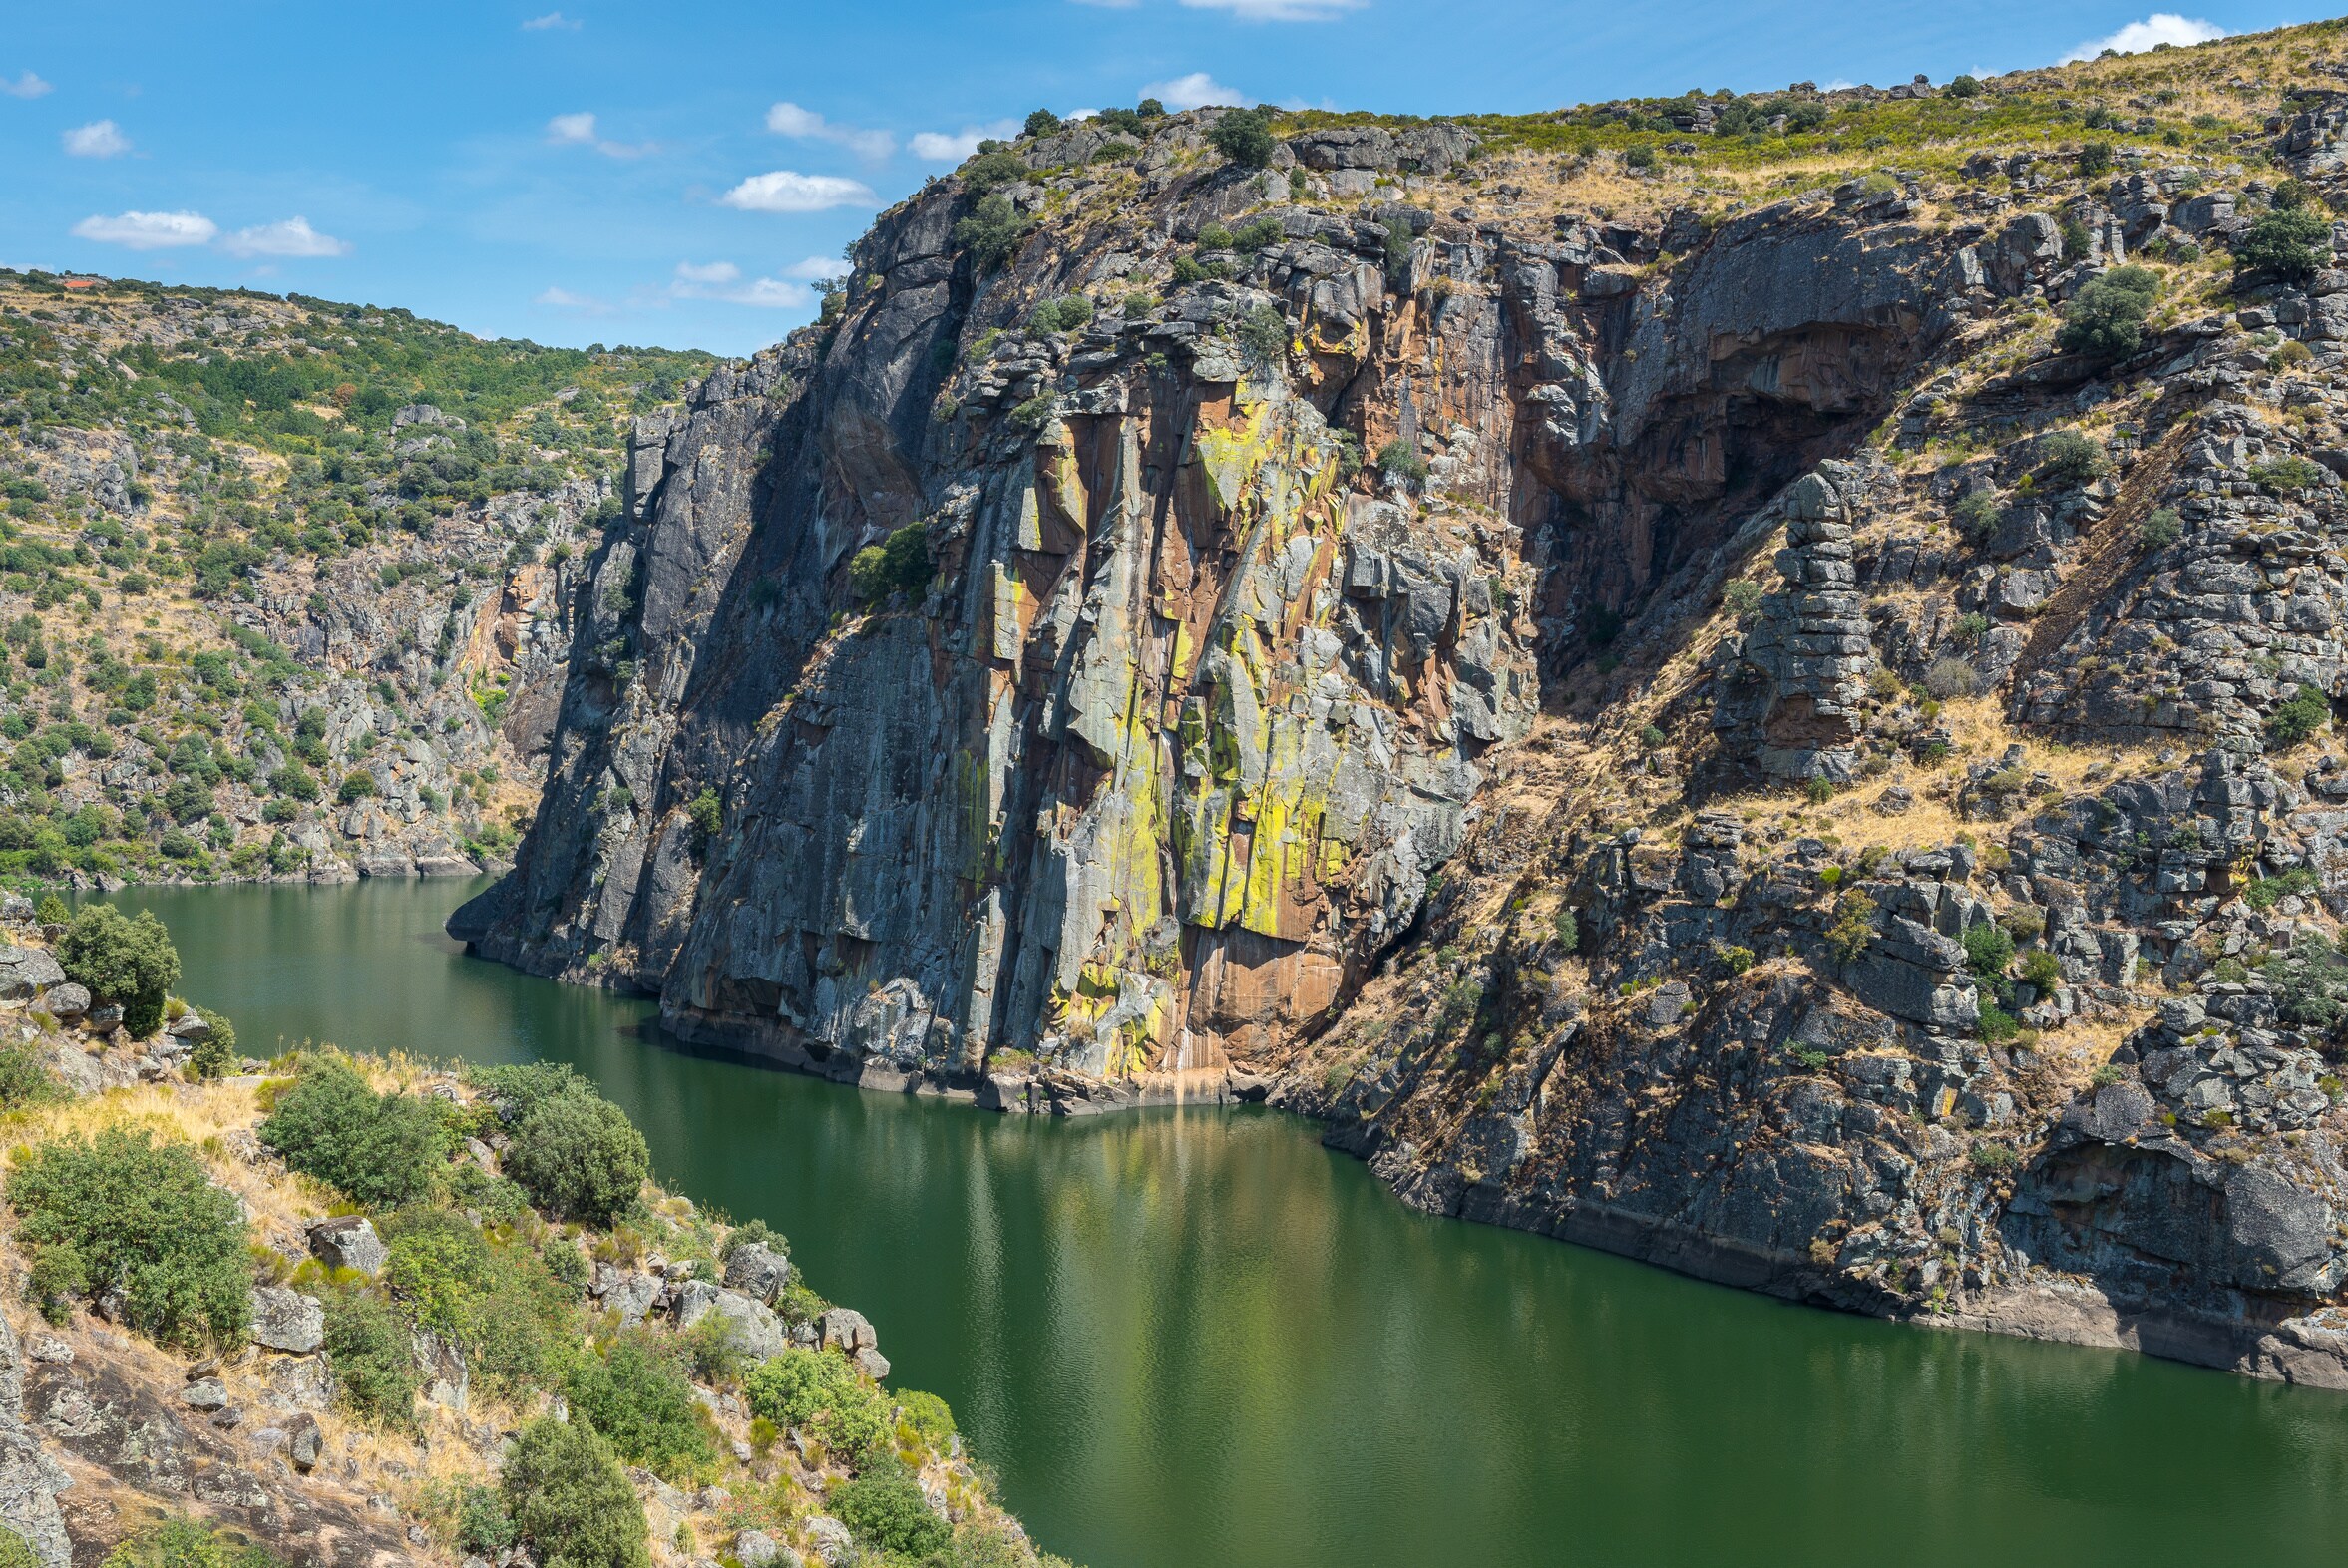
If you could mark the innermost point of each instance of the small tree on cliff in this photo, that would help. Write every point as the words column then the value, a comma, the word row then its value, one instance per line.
column 129, row 963
column 1244, row 136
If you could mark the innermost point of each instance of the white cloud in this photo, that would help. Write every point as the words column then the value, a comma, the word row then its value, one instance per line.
column 25, row 86
column 579, row 131
column 2162, row 27
column 98, row 139
column 788, row 119
column 782, row 190
column 940, row 147
column 565, row 299
column 723, row 281
column 2140, row 36
column 292, row 237
column 553, row 19
column 1280, row 10
column 1192, row 91
column 816, row 269
column 148, row 231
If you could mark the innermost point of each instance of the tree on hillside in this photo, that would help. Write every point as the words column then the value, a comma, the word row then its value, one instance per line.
column 129, row 962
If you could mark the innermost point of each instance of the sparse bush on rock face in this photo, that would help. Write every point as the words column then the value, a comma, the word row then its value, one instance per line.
column 1951, row 677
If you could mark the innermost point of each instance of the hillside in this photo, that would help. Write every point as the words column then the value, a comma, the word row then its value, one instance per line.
column 345, row 1310
column 286, row 583
column 1746, row 680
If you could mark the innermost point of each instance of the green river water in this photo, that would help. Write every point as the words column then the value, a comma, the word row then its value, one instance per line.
column 1195, row 1337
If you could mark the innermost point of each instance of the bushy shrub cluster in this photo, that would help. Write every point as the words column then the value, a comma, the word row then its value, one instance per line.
column 569, row 1502
column 820, row 1390
column 381, row 1149
column 900, row 563
column 122, row 1212
column 636, row 1395
column 129, row 963
column 2106, row 318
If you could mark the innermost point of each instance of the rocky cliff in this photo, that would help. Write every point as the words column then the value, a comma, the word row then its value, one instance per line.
column 1681, row 679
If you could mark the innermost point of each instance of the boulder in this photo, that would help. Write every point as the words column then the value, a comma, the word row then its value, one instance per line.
column 831, row 1541
column 758, row 1270
column 305, row 1445
column 204, row 1393
column 65, row 1003
column 846, row 1330
column 348, row 1242
column 189, row 1029
column 300, row 1382
column 286, row 1319
column 27, row 972
column 754, row 1548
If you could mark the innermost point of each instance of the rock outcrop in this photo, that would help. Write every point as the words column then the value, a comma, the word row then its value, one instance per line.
column 1303, row 632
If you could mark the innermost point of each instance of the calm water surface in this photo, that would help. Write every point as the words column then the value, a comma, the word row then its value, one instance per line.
column 1195, row 1337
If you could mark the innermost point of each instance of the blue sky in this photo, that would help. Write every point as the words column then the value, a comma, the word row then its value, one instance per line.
column 679, row 174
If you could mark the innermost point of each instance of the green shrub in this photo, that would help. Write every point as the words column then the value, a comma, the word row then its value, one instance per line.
column 381, row 1149
column 2095, row 158
column 1991, row 1158
column 16, row 1551
column 707, row 814
column 1855, row 924
column 1040, row 122
column 820, row 1390
column 1963, row 87
column 1640, row 155
column 579, row 1157
column 367, row 1345
column 53, row 911
column 927, row 1416
column 889, row 1514
column 357, row 785
column 900, row 563
column 1988, row 949
column 992, row 231
column 2106, row 318
column 515, row 1089
column 129, row 962
column 122, row 1212
column 2284, row 242
column 1214, row 236
column 992, row 169
column 1977, row 515
column 1065, row 314
column 215, row 1053
column 2310, row 984
column 2267, row 892
column 1031, row 414
column 1568, row 931
column 441, row 1266
column 636, row 1396
column 2068, row 457
column 2162, row 529
column 187, row 1543
column 1242, row 135
column 25, row 1078
column 1398, row 459
column 2286, row 475
column 1258, row 233
column 2042, row 969
column 1263, row 334
column 2295, row 720
column 1818, row 791
column 1742, row 600
column 569, row 1500
column 1998, row 1026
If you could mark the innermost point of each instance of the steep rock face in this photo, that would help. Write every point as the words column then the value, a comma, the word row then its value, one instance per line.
column 1444, row 799
column 1165, row 754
